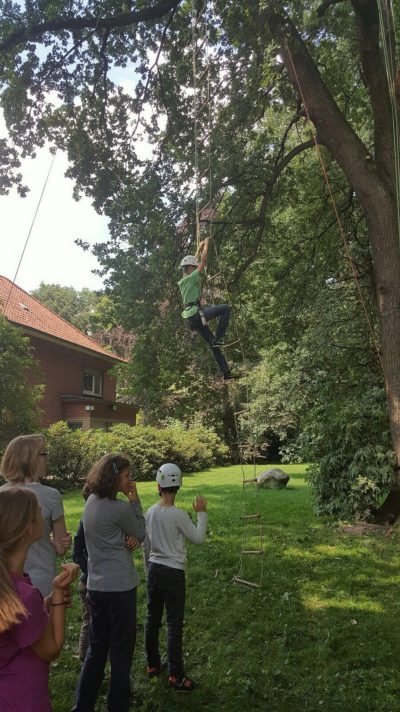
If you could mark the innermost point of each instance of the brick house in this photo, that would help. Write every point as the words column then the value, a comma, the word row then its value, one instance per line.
column 75, row 369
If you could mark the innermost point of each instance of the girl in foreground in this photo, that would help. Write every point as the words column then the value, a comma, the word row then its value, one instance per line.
column 31, row 628
column 111, row 584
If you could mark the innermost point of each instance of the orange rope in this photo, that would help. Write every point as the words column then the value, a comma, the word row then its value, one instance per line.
column 336, row 213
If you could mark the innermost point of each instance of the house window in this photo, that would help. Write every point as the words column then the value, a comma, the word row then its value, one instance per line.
column 75, row 424
column 92, row 382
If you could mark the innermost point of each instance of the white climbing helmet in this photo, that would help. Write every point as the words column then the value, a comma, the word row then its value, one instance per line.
column 189, row 260
column 169, row 475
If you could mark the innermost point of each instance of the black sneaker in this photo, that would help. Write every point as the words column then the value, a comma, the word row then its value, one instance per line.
column 185, row 684
column 232, row 376
column 217, row 343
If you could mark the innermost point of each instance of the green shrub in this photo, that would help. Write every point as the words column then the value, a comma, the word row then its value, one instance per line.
column 69, row 455
column 348, row 445
column 72, row 453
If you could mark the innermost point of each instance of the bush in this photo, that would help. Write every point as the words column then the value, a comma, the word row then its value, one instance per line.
column 72, row 452
column 348, row 444
column 69, row 456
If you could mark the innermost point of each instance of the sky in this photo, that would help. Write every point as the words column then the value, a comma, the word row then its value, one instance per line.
column 51, row 255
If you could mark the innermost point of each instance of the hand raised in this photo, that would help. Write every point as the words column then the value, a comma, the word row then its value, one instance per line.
column 200, row 505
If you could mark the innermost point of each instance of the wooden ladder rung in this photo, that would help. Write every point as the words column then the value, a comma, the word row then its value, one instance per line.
column 230, row 343
column 243, row 582
column 200, row 46
column 204, row 207
column 203, row 75
column 202, row 107
column 244, row 445
column 247, row 482
column 213, row 276
column 204, row 173
column 251, row 551
column 250, row 516
column 205, row 137
column 240, row 412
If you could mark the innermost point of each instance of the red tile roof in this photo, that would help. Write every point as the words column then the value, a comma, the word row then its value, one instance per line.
column 21, row 308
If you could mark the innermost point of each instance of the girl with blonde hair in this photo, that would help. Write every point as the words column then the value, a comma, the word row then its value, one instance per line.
column 31, row 630
column 23, row 464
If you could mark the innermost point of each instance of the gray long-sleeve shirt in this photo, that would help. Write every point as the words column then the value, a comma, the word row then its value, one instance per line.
column 106, row 522
column 167, row 529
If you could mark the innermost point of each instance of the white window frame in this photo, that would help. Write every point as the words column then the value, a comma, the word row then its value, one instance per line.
column 95, row 375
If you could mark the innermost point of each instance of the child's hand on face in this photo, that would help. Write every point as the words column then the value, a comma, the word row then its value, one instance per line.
column 132, row 492
column 200, row 505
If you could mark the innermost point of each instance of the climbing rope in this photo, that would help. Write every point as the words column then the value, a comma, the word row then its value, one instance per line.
column 336, row 213
column 29, row 233
column 386, row 25
column 253, row 538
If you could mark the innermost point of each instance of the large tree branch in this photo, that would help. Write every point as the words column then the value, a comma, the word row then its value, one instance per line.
column 324, row 6
column 333, row 129
column 279, row 168
column 34, row 32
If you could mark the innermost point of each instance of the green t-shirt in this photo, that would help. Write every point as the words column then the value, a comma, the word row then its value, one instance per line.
column 190, row 287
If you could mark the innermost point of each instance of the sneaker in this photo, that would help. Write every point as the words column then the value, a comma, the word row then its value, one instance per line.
column 230, row 376
column 185, row 684
column 155, row 671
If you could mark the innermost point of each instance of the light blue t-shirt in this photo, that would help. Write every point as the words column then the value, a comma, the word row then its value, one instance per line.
column 41, row 563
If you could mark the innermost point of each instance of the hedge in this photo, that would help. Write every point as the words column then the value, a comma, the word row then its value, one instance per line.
column 72, row 452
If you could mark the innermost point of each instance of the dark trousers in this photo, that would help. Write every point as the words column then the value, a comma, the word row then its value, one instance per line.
column 165, row 588
column 84, row 632
column 223, row 311
column 112, row 631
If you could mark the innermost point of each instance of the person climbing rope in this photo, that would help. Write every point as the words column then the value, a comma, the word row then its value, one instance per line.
column 197, row 317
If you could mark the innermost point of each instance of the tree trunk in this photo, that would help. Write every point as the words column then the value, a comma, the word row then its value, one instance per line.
column 372, row 178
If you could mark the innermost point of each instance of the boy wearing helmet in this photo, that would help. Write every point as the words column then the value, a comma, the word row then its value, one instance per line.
column 190, row 286
column 167, row 529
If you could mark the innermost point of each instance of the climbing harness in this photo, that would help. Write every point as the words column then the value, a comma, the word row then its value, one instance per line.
column 251, row 556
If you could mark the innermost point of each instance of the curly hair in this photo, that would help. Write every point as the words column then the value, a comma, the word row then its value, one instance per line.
column 102, row 479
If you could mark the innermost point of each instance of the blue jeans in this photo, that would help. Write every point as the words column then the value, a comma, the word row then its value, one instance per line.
column 223, row 311
column 165, row 588
column 112, row 631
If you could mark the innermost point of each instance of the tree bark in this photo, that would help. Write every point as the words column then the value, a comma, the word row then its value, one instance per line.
column 372, row 178
column 72, row 24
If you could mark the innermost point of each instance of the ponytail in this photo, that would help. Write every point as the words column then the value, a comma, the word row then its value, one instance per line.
column 18, row 509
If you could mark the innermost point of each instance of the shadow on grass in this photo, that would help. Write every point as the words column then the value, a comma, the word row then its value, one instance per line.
column 321, row 634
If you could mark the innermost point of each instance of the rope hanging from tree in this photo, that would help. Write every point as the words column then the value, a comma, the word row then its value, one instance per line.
column 335, row 210
column 386, row 24
column 253, row 540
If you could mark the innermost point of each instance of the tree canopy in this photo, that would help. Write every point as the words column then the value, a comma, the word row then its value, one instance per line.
column 19, row 401
column 291, row 85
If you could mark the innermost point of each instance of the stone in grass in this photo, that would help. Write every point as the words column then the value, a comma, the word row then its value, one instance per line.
column 273, row 479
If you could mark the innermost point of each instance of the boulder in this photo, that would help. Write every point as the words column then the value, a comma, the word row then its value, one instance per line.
column 273, row 479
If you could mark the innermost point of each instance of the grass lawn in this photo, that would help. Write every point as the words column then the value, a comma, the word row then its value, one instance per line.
column 322, row 634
